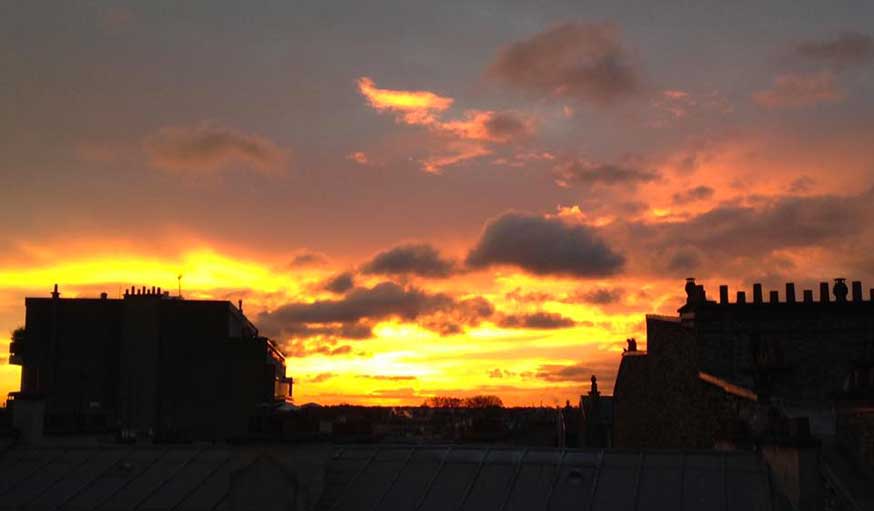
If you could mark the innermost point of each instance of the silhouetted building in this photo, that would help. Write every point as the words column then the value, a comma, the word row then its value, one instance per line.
column 706, row 371
column 596, row 424
column 148, row 363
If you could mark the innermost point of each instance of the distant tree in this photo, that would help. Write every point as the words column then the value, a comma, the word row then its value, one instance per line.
column 468, row 402
column 483, row 402
column 443, row 402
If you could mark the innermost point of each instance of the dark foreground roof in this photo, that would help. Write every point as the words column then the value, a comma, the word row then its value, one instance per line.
column 384, row 478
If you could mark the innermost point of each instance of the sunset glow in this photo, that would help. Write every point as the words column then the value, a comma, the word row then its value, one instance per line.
column 413, row 211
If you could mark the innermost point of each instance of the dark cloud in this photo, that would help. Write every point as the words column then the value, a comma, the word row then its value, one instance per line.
column 544, row 246
column 565, row 373
column 693, row 194
column 308, row 259
column 605, row 174
column 506, row 126
column 340, row 283
column 599, row 296
column 582, row 61
column 299, row 347
column 729, row 233
column 845, row 49
column 415, row 259
column 208, row 147
column 536, row 320
column 352, row 316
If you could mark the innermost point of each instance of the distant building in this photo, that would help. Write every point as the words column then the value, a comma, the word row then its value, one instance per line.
column 148, row 363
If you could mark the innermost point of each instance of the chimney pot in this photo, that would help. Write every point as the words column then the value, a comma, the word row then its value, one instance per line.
column 103, row 295
column 774, row 297
column 742, row 297
column 840, row 290
column 857, row 291
column 790, row 292
column 824, row 296
column 808, row 296
column 757, row 293
column 723, row 294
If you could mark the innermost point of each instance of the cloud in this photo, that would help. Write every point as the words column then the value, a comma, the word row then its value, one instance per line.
column 359, row 157
column 340, row 283
column 729, row 234
column 579, row 172
column 412, row 107
column 600, row 296
column 387, row 377
column 582, row 61
column 461, row 139
column 800, row 91
column 306, row 258
column 352, row 315
column 843, row 50
column 208, row 148
column 415, row 259
column 697, row 193
column 320, row 377
column 544, row 246
column 536, row 320
column 565, row 373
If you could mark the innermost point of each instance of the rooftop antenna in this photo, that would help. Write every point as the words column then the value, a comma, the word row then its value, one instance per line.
column 179, row 280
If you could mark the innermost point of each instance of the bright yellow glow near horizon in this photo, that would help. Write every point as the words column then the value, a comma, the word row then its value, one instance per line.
column 402, row 364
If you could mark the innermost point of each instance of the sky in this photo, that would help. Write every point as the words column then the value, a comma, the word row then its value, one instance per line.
column 434, row 198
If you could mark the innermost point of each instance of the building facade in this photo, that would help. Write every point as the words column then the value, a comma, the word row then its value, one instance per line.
column 148, row 363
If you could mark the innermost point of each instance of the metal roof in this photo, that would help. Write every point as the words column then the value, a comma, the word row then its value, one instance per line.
column 461, row 478
column 385, row 478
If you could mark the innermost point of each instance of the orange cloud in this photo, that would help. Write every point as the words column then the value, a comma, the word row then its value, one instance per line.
column 413, row 107
column 469, row 136
column 799, row 91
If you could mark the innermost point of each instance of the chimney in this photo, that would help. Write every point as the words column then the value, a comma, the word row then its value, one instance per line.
column 790, row 292
column 757, row 293
column 153, row 290
column 55, row 293
column 742, row 296
column 808, row 296
column 823, row 292
column 857, row 291
column 840, row 290
column 774, row 297
column 159, row 290
column 103, row 295
column 240, row 305
column 723, row 294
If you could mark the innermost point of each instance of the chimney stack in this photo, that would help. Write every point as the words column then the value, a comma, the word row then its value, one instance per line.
column 857, row 291
column 790, row 292
column 55, row 293
column 824, row 296
column 103, row 296
column 840, row 290
column 742, row 296
column 808, row 296
column 723, row 294
column 774, row 297
column 757, row 293
column 240, row 305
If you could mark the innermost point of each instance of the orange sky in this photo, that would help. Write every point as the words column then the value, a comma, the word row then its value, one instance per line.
column 435, row 201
